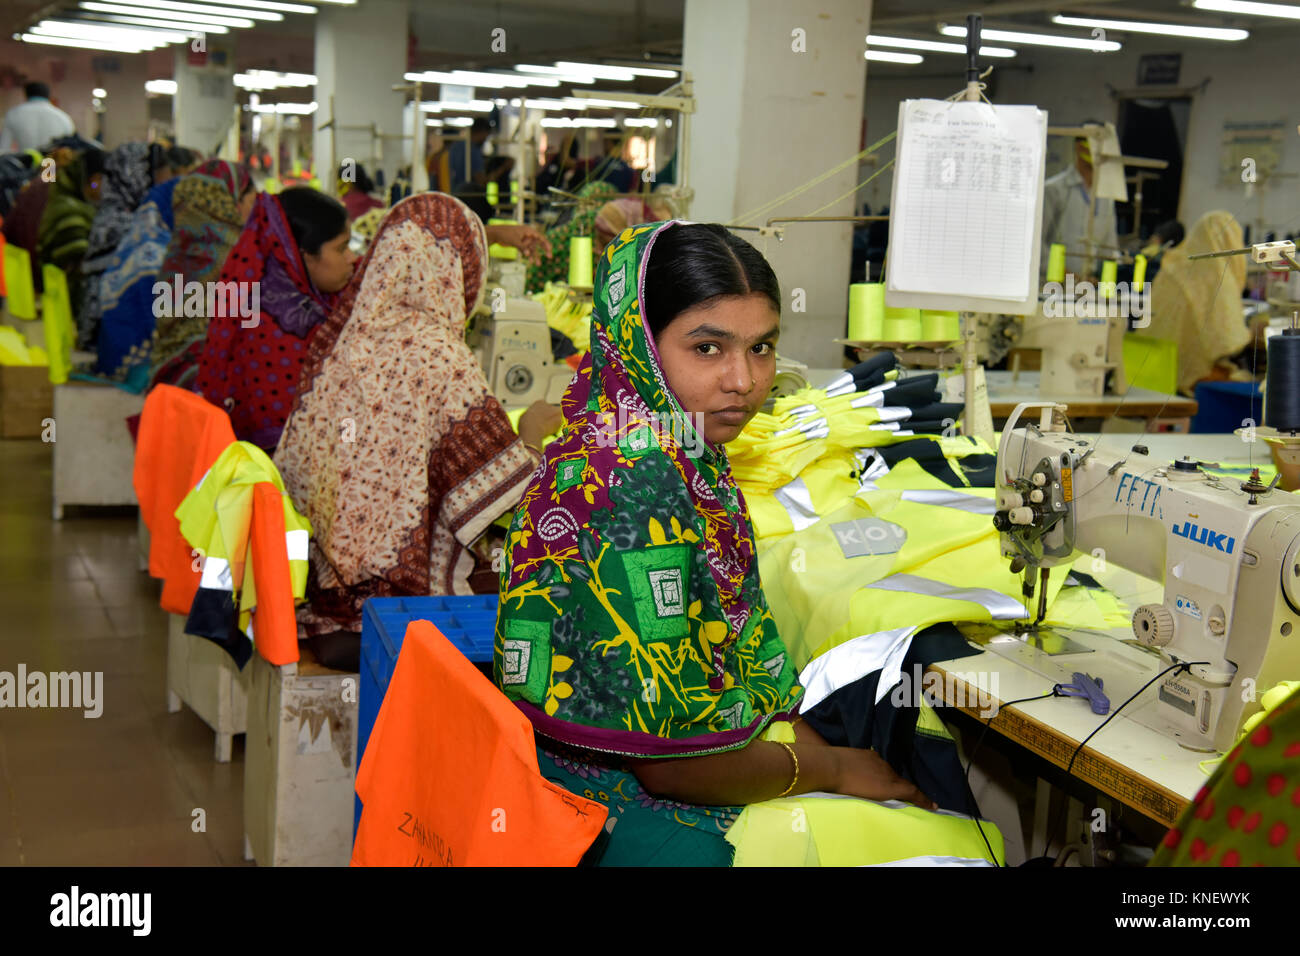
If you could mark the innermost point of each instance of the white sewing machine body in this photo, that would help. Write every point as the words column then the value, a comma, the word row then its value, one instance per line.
column 513, row 345
column 1227, row 555
column 1077, row 345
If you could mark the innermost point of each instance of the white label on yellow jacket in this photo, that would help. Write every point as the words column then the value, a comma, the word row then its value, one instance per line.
column 867, row 536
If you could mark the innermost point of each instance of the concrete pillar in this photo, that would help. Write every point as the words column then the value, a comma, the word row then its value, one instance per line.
column 779, row 90
column 126, row 114
column 205, row 93
column 360, row 53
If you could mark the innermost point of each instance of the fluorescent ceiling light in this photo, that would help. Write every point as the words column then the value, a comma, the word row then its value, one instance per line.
column 75, row 42
column 885, row 56
column 1283, row 10
column 154, row 6
column 193, row 20
column 1036, row 39
column 295, row 109
column 596, row 70
column 473, row 106
column 160, row 87
column 273, row 5
column 1163, row 29
column 641, row 121
column 565, row 76
column 271, row 80
column 458, row 121
column 545, row 103
column 582, row 121
column 110, row 18
column 99, row 91
column 936, row 46
column 490, row 81
column 95, row 31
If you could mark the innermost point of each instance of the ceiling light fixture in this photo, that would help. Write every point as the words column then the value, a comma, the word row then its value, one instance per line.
column 1036, row 39
column 1281, row 10
column 75, row 42
column 884, row 56
column 153, row 6
column 112, row 18
column 1163, row 29
column 160, row 87
column 195, row 20
column 935, row 46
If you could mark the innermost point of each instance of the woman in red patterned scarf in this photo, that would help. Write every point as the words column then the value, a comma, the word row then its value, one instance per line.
column 396, row 449
column 291, row 260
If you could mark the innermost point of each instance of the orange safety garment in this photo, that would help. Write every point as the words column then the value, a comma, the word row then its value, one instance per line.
column 450, row 778
column 181, row 435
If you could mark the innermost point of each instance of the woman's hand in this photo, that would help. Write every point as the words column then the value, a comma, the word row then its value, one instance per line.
column 864, row 773
column 530, row 241
column 539, row 421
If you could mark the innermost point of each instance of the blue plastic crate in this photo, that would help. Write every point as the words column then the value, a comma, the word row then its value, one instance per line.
column 469, row 622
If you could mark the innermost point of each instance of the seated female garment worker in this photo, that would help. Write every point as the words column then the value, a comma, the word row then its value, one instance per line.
column 293, row 256
column 633, row 630
column 430, row 460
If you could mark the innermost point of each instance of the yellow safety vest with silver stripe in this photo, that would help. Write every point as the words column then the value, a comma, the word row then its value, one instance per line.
column 216, row 518
column 886, row 560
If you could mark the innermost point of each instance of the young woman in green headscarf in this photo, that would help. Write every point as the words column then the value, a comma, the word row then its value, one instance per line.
column 633, row 630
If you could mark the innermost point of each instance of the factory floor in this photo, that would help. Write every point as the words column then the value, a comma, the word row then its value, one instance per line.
column 123, row 788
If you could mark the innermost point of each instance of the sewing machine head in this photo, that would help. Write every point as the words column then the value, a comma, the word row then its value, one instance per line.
column 512, row 340
column 1226, row 552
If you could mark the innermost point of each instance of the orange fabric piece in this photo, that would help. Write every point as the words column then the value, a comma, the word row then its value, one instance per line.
column 450, row 774
column 275, row 628
column 181, row 435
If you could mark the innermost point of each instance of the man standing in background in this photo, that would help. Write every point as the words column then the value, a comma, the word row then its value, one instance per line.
column 35, row 123
column 1066, row 198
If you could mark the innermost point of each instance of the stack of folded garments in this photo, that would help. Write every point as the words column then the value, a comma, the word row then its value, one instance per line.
column 819, row 446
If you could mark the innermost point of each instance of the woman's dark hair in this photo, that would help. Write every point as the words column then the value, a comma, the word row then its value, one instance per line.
column 181, row 157
column 363, row 182
column 1171, row 231
column 694, row 264
column 92, row 162
column 314, row 218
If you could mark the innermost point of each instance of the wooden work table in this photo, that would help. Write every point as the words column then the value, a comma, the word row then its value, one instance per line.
column 1009, row 389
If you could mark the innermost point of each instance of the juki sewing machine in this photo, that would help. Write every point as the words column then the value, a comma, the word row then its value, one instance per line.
column 1227, row 553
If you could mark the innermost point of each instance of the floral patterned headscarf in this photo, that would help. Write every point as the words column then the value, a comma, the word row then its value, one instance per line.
column 632, row 619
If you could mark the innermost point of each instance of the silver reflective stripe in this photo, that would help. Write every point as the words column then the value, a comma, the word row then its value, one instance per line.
column 884, row 427
column 894, row 413
column 216, row 574
column 953, row 499
column 295, row 542
column 845, row 663
column 936, row 861
column 869, row 400
column 1001, row 607
column 797, row 501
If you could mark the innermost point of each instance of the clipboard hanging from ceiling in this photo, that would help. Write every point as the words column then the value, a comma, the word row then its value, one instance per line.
column 967, row 205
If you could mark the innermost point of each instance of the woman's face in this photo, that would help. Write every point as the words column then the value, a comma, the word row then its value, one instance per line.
column 331, row 268
column 246, row 203
column 720, row 360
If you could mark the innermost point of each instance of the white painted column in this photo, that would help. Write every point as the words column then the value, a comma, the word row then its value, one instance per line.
column 203, row 106
column 779, row 89
column 360, row 54
column 126, row 113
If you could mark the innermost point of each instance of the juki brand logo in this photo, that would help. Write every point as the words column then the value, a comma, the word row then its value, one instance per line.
column 1211, row 539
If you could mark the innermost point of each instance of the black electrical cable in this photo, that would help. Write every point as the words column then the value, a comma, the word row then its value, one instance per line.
column 971, row 760
column 1182, row 665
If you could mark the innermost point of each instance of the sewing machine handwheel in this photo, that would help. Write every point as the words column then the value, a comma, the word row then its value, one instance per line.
column 1153, row 625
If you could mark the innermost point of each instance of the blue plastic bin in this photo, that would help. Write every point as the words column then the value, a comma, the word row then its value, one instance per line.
column 469, row 622
column 1225, row 406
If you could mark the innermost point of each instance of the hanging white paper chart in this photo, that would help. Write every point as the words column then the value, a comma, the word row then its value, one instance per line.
column 967, row 203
